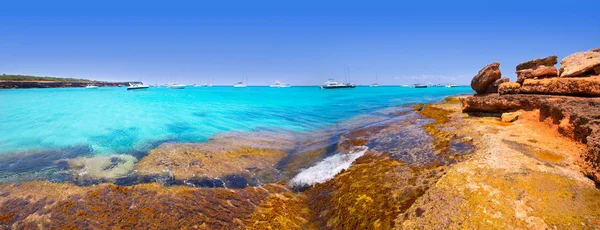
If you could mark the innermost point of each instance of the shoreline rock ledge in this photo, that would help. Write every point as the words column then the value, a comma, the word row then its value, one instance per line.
column 567, row 98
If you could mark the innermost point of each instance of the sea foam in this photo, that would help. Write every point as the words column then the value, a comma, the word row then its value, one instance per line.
column 326, row 169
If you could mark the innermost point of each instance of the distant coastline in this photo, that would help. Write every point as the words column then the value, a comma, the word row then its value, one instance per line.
column 25, row 81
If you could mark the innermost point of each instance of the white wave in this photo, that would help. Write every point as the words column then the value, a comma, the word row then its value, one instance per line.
column 326, row 169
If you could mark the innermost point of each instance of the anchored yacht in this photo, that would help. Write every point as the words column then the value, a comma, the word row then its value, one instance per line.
column 331, row 84
column 133, row 86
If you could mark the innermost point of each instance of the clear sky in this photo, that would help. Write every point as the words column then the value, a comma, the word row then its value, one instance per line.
column 300, row 42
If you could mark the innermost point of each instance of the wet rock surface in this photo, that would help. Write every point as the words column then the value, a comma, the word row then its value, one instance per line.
column 526, row 168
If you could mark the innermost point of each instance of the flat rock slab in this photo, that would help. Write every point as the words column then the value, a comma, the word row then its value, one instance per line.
column 584, row 86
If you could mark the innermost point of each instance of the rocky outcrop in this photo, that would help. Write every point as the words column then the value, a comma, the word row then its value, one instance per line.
column 580, row 64
column 493, row 88
column 576, row 117
column 57, row 84
column 509, row 88
column 589, row 86
column 485, row 77
column 539, row 72
column 533, row 64
column 538, row 68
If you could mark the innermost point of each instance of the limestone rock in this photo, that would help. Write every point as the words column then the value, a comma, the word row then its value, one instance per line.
column 579, row 64
column 539, row 72
column 509, row 88
column 493, row 88
column 577, row 116
column 485, row 77
column 589, row 86
column 510, row 117
column 533, row 64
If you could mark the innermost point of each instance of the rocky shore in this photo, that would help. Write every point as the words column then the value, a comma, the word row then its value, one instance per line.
column 58, row 84
column 567, row 99
column 494, row 160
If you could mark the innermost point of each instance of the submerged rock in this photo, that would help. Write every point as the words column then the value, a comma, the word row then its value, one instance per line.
column 485, row 77
column 89, row 170
column 580, row 64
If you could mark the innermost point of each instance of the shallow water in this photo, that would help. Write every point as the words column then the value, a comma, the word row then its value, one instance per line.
column 72, row 122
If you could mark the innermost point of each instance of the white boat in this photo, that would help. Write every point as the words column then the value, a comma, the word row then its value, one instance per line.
column 133, row 86
column 331, row 84
column 451, row 86
column 176, row 86
column 239, row 85
column 376, row 84
column 278, row 84
column 404, row 86
column 91, row 86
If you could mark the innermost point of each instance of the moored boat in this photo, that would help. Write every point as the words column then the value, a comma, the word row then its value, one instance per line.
column 278, row 84
column 419, row 86
column 331, row 84
column 133, row 86
column 176, row 86
column 239, row 85
column 90, row 86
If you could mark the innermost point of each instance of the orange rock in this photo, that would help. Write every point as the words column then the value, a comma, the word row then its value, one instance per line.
column 485, row 77
column 589, row 86
column 579, row 64
column 509, row 88
column 539, row 72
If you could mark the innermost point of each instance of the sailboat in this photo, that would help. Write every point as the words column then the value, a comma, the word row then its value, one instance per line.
column 241, row 83
column 376, row 84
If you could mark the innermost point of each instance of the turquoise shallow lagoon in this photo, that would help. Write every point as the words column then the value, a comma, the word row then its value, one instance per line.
column 115, row 120
column 39, row 127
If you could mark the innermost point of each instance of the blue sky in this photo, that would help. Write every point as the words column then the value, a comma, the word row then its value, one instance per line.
column 300, row 42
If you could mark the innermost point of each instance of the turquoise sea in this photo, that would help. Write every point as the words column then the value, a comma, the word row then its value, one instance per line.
column 113, row 120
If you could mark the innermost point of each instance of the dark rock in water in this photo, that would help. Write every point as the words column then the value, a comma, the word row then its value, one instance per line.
column 579, row 64
column 576, row 117
column 533, row 64
column 485, row 77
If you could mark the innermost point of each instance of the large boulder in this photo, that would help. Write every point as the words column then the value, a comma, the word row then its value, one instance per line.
column 493, row 88
column 509, row 88
column 533, row 64
column 580, row 64
column 485, row 77
column 589, row 86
